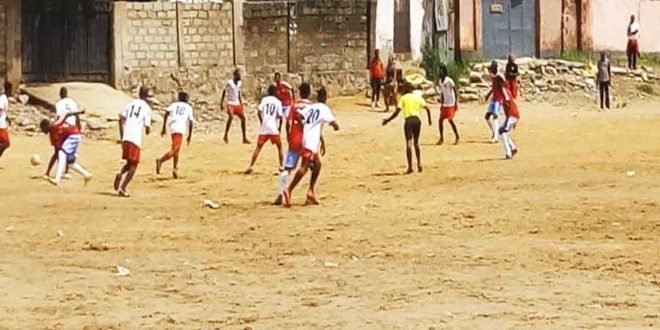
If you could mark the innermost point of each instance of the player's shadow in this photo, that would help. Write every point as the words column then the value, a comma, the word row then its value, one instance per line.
column 484, row 160
column 388, row 174
column 107, row 194
column 477, row 142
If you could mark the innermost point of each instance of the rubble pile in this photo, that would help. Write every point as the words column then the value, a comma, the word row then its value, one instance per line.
column 543, row 80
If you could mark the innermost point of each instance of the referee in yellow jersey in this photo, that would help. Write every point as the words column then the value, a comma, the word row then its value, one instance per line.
column 411, row 105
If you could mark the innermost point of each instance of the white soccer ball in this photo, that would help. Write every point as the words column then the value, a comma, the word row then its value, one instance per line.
column 35, row 160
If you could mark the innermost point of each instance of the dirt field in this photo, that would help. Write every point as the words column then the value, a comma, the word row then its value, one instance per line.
column 560, row 237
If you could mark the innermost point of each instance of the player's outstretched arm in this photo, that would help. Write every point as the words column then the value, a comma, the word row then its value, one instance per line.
column 163, row 131
column 490, row 92
column 222, row 99
column 394, row 115
column 122, row 120
column 428, row 114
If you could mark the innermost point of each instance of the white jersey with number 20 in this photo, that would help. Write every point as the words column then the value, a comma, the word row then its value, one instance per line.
column 138, row 116
column 314, row 116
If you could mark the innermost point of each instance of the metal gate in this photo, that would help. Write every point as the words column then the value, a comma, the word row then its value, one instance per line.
column 402, row 26
column 509, row 26
column 61, row 43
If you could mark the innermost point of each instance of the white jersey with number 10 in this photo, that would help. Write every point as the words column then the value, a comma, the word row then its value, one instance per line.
column 137, row 115
column 271, row 112
column 314, row 116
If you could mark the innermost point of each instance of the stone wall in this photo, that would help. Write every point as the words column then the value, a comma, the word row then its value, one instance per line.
column 265, row 32
column 168, row 45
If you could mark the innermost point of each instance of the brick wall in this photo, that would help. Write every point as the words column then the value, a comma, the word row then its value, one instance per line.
column 163, row 45
column 265, row 32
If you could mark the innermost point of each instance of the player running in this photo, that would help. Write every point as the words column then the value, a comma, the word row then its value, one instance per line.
column 449, row 104
column 512, row 118
column 4, row 119
column 495, row 104
column 63, row 107
column 66, row 137
column 411, row 105
column 284, row 93
column 313, row 117
column 180, row 116
column 270, row 113
column 294, row 129
column 135, row 117
column 234, row 104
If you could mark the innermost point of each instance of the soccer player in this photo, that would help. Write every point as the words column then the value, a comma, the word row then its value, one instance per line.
column 270, row 114
column 411, row 105
column 135, row 118
column 67, row 105
column 313, row 117
column 512, row 118
column 180, row 116
column 511, row 74
column 234, row 104
column 284, row 93
column 294, row 129
column 495, row 105
column 389, row 89
column 68, row 139
column 4, row 119
column 449, row 104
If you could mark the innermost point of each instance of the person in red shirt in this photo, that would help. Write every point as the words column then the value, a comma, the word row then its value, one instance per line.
column 495, row 104
column 512, row 118
column 376, row 75
column 284, row 93
column 66, row 138
column 294, row 129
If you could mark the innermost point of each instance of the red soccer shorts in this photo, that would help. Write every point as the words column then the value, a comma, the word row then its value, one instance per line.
column 177, row 139
column 447, row 112
column 235, row 109
column 308, row 154
column 130, row 152
column 274, row 139
column 4, row 137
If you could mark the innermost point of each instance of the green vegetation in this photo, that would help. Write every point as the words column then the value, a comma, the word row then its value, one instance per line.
column 646, row 89
column 650, row 60
column 431, row 63
column 575, row 56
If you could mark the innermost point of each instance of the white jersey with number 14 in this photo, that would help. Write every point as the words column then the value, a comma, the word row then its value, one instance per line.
column 137, row 115
column 314, row 116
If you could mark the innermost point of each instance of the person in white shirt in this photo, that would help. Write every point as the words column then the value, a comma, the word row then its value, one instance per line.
column 632, row 49
column 449, row 104
column 179, row 116
column 313, row 118
column 234, row 107
column 270, row 113
column 135, row 118
column 67, row 105
column 4, row 120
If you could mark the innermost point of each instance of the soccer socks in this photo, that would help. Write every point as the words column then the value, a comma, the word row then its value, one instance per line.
column 496, row 125
column 78, row 168
column 284, row 178
column 61, row 166
column 507, row 145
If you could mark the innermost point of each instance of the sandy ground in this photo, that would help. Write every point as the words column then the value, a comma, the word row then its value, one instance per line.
column 560, row 237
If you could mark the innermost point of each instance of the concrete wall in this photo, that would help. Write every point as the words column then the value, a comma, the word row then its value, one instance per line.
column 550, row 27
column 155, row 41
column 612, row 36
column 265, row 32
column 10, row 41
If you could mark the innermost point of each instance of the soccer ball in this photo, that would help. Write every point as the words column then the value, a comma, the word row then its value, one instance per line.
column 35, row 160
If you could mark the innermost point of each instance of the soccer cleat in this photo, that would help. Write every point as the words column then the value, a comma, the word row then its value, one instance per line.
column 495, row 140
column 46, row 177
column 508, row 157
column 123, row 193
column 117, row 181
column 53, row 182
column 159, row 164
column 67, row 176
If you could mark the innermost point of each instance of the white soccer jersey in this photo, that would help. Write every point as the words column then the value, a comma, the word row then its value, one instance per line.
column 271, row 112
column 233, row 91
column 65, row 106
column 138, row 116
column 4, row 107
column 448, row 95
column 314, row 116
column 179, row 115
